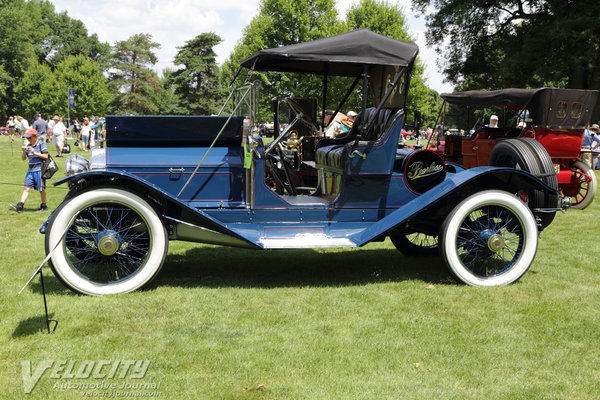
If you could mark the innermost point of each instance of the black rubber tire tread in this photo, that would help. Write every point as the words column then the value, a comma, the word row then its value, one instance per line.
column 518, row 153
column 548, row 176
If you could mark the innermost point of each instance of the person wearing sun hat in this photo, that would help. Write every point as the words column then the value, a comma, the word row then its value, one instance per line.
column 35, row 151
column 590, row 145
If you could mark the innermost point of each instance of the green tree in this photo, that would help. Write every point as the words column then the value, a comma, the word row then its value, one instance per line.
column 68, row 37
column 281, row 23
column 32, row 33
column 164, row 98
column 45, row 91
column 131, row 76
column 389, row 20
column 499, row 43
column 34, row 92
column 92, row 95
column 17, row 50
column 197, row 83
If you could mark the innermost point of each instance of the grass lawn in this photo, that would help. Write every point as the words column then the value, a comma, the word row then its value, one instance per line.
column 368, row 323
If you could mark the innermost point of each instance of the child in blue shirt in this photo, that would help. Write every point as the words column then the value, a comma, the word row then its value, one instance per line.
column 35, row 151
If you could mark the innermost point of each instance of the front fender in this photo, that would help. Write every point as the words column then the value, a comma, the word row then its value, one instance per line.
column 435, row 204
column 168, row 205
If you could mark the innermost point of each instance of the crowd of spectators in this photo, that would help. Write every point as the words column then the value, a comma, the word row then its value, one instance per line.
column 86, row 135
column 34, row 149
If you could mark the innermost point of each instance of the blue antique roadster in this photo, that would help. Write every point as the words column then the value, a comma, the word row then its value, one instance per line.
column 212, row 179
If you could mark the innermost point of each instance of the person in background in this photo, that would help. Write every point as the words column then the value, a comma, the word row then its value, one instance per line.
column 11, row 125
column 493, row 121
column 332, row 128
column 75, row 128
column 22, row 125
column 591, row 140
column 35, row 151
column 349, row 121
column 102, row 136
column 98, row 128
column 58, row 135
column 41, row 126
column 84, row 134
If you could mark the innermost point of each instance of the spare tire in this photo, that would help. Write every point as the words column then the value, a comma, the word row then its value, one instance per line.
column 529, row 155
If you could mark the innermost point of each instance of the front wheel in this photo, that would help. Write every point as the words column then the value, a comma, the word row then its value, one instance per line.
column 489, row 239
column 107, row 241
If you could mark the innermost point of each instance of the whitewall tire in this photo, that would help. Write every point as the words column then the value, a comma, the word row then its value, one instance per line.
column 111, row 241
column 489, row 239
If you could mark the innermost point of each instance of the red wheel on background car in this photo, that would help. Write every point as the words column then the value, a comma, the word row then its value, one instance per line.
column 583, row 185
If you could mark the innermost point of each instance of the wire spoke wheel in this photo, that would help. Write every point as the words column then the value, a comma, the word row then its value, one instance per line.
column 113, row 242
column 108, row 242
column 489, row 239
column 413, row 243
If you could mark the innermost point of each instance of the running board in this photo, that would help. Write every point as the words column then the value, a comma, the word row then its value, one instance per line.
column 305, row 241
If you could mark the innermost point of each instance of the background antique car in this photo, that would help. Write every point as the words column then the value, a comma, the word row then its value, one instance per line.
column 532, row 122
column 206, row 179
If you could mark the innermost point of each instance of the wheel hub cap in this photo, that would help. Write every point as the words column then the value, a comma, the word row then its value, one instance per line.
column 108, row 243
column 495, row 243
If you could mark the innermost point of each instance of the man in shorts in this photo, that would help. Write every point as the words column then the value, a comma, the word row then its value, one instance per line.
column 35, row 151
column 58, row 135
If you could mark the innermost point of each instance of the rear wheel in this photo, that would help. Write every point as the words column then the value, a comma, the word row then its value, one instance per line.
column 107, row 241
column 583, row 185
column 489, row 239
column 529, row 155
column 413, row 243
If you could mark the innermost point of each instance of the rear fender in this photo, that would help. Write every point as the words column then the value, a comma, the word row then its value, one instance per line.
column 434, row 205
column 180, row 218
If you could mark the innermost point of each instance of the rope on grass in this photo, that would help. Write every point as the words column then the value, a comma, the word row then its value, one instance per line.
column 21, row 185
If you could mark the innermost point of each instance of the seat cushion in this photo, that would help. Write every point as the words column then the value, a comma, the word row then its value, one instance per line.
column 401, row 155
column 335, row 157
column 330, row 156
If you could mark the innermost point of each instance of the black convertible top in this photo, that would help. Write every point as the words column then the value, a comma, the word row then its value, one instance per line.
column 340, row 55
column 503, row 97
column 543, row 103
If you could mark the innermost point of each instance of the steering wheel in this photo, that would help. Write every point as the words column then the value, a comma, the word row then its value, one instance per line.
column 280, row 171
column 299, row 111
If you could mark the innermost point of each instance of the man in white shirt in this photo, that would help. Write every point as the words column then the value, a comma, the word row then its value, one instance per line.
column 22, row 125
column 58, row 135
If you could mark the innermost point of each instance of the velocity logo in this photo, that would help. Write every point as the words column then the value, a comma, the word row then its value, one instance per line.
column 72, row 369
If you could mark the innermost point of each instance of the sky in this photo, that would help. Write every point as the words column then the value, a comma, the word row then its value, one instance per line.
column 173, row 22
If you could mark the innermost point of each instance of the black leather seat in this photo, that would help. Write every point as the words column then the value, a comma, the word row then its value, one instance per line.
column 401, row 155
column 331, row 152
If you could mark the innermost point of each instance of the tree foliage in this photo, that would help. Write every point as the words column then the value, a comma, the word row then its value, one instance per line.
column 281, row 23
column 389, row 20
column 489, row 44
column 31, row 34
column 197, row 83
column 33, row 92
column 131, row 75
column 92, row 94
column 45, row 91
column 69, row 36
column 284, row 22
column 163, row 97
